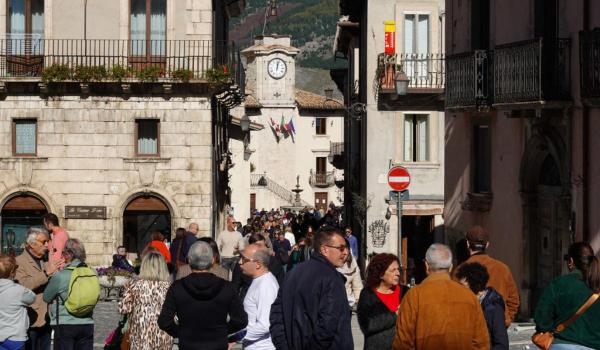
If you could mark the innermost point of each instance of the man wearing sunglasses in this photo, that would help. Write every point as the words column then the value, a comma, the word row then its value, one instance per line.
column 311, row 310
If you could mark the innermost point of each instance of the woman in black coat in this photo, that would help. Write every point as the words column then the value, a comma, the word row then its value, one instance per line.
column 379, row 302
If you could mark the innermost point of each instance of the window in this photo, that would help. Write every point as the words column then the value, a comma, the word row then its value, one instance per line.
column 148, row 27
column 321, row 165
column 416, row 44
column 147, row 136
column 25, row 23
column 24, row 137
column 482, row 159
column 416, row 137
column 321, row 126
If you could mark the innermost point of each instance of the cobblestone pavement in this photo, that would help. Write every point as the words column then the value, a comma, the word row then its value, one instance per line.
column 106, row 318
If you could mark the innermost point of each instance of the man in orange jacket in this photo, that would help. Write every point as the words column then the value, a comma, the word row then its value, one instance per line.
column 501, row 278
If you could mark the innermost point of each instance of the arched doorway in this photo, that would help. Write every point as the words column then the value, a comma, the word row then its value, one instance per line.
column 143, row 216
column 18, row 214
column 546, row 212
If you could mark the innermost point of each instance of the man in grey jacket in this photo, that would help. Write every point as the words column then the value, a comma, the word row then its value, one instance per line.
column 13, row 309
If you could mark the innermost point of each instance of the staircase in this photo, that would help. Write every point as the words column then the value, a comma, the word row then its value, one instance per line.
column 262, row 180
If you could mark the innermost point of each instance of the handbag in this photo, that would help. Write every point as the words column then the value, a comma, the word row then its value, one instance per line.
column 125, row 344
column 543, row 340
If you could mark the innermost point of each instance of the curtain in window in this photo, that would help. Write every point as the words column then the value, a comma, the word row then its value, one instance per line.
column 37, row 26
column 422, row 45
column 147, row 137
column 158, row 26
column 17, row 26
column 138, row 27
column 409, row 25
column 422, row 138
column 408, row 138
column 25, row 137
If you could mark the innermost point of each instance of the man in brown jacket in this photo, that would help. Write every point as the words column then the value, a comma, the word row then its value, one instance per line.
column 501, row 278
column 440, row 313
column 32, row 273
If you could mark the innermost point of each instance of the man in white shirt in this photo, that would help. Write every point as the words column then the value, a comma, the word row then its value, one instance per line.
column 254, row 262
column 228, row 242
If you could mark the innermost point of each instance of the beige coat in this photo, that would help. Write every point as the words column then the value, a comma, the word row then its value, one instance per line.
column 31, row 276
column 353, row 281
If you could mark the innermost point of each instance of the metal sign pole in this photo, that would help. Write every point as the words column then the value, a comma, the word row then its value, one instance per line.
column 399, row 214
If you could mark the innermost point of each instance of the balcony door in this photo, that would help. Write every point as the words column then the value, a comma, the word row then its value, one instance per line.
column 25, row 31
column 416, row 45
column 148, row 32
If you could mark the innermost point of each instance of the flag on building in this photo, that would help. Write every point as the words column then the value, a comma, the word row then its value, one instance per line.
column 282, row 125
column 290, row 126
column 275, row 126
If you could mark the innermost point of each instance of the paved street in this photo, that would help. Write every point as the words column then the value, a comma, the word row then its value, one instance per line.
column 107, row 317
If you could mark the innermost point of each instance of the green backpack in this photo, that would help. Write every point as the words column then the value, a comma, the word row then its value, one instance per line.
column 84, row 291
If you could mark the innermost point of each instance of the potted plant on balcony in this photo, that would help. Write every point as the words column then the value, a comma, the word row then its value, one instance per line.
column 113, row 277
column 150, row 74
column 183, row 75
column 56, row 72
column 218, row 76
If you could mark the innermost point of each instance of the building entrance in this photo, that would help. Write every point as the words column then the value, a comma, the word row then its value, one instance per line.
column 17, row 215
column 143, row 216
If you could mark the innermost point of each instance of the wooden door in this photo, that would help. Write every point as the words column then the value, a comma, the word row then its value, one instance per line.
column 252, row 201
column 321, row 200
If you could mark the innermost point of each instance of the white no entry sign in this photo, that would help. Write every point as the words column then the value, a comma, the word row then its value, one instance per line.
column 398, row 178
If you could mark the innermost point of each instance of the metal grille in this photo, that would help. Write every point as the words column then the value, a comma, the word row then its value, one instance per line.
column 468, row 79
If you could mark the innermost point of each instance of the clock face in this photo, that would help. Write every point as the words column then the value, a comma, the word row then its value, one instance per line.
column 277, row 68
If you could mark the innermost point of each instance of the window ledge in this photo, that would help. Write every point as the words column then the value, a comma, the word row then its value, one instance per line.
column 420, row 165
column 481, row 202
column 146, row 160
column 15, row 159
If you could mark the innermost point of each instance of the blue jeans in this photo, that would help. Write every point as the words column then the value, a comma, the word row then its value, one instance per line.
column 12, row 345
column 39, row 338
column 569, row 347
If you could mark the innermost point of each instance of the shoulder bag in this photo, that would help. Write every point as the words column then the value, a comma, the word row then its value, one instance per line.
column 543, row 340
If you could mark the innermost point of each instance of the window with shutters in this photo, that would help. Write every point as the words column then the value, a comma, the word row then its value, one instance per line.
column 416, row 138
column 321, row 126
column 24, row 135
column 148, row 29
column 147, row 137
column 416, row 44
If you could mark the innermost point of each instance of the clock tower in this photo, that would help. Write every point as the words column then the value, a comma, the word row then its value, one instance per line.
column 271, row 70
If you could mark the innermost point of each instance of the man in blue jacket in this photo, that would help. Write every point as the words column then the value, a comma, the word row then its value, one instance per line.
column 311, row 310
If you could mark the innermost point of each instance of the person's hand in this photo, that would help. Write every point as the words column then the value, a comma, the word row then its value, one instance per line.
column 231, row 345
column 52, row 267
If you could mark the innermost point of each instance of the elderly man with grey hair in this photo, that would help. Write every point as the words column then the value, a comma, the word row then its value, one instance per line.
column 254, row 262
column 32, row 273
column 206, row 306
column 71, row 331
column 449, row 315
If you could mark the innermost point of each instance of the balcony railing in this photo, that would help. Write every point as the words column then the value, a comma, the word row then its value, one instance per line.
column 322, row 179
column 468, row 80
column 425, row 71
column 532, row 71
column 27, row 57
column 589, row 56
column 336, row 154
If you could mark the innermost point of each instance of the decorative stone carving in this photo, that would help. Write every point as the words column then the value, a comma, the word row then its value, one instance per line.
column 24, row 169
column 146, row 172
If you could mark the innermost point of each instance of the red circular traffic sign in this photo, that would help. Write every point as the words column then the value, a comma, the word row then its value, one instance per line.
column 398, row 178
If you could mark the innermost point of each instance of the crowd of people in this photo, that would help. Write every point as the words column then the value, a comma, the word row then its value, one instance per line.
column 285, row 281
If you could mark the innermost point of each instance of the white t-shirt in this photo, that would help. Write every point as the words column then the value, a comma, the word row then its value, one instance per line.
column 228, row 242
column 257, row 304
column 290, row 237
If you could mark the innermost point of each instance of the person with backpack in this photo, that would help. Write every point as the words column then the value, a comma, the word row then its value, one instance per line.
column 72, row 295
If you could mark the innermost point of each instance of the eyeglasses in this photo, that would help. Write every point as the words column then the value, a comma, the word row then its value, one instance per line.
column 341, row 248
column 244, row 260
column 43, row 241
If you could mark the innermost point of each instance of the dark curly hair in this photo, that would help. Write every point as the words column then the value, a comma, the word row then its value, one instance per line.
column 379, row 263
column 476, row 275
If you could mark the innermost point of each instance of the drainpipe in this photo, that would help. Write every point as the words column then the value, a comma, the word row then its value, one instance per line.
column 585, row 143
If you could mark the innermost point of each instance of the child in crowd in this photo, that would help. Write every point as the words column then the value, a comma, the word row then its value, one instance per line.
column 14, row 321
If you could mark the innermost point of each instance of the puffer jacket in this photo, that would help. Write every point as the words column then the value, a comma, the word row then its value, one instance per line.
column 493, row 311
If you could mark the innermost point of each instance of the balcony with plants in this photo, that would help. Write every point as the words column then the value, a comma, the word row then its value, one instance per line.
column 92, row 64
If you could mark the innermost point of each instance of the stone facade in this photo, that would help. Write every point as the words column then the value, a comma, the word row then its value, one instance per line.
column 86, row 156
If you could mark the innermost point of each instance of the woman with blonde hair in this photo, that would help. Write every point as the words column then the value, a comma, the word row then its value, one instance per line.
column 142, row 301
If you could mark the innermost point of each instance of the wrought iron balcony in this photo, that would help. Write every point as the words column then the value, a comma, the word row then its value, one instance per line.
column 532, row 71
column 336, row 154
column 322, row 179
column 468, row 80
column 589, row 56
column 25, row 58
column 426, row 72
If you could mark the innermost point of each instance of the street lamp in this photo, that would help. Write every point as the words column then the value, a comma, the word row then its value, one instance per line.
column 273, row 10
column 401, row 81
column 245, row 123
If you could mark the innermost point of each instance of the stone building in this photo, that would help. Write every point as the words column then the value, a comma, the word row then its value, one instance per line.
column 522, row 105
column 114, row 116
column 385, row 127
column 295, row 133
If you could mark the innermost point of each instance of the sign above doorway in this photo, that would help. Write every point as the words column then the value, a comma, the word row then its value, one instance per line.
column 85, row 212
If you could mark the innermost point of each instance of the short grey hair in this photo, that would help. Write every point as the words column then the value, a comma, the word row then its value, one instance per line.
column 34, row 232
column 262, row 255
column 200, row 256
column 75, row 248
column 439, row 257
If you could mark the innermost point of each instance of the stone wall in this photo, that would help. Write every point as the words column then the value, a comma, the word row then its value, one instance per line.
column 86, row 156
